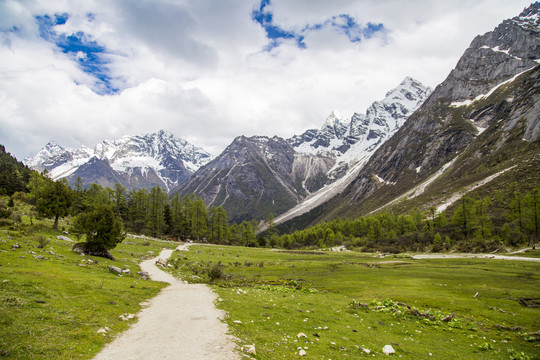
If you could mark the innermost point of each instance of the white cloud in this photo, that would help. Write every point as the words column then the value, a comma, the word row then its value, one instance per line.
column 197, row 67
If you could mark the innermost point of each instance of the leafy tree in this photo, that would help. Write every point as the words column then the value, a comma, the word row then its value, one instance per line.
column 120, row 200
column 219, row 227
column 483, row 220
column 156, row 220
column 55, row 201
column 516, row 212
column 533, row 214
column 199, row 219
column 463, row 216
column 102, row 228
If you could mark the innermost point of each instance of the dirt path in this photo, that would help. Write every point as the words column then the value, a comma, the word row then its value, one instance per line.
column 179, row 323
column 474, row 256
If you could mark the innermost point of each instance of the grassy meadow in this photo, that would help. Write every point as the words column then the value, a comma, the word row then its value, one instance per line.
column 339, row 305
column 53, row 301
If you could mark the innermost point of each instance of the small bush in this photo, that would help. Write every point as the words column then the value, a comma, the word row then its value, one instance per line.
column 216, row 272
column 42, row 241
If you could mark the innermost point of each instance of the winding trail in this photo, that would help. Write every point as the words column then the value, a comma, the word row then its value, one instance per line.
column 181, row 322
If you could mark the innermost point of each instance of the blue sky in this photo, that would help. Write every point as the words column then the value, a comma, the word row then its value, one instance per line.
column 81, row 48
column 208, row 71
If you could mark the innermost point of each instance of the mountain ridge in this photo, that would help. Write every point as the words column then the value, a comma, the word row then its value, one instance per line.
column 135, row 161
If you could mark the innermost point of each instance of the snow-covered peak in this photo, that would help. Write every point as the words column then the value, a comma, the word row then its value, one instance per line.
column 410, row 93
column 529, row 19
column 158, row 152
column 380, row 121
column 334, row 121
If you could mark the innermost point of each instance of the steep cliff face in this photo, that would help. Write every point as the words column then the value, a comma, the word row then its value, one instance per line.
column 487, row 106
column 436, row 133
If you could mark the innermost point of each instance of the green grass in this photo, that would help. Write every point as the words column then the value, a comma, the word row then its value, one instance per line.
column 276, row 295
column 51, row 308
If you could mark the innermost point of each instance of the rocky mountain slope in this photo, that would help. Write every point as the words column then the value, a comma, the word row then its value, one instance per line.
column 481, row 121
column 258, row 176
column 140, row 161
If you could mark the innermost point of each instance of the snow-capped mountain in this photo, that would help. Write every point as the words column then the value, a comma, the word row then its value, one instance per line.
column 350, row 144
column 481, row 122
column 256, row 176
column 349, row 140
column 134, row 161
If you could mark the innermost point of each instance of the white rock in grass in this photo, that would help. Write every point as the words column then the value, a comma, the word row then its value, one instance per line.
column 302, row 352
column 388, row 350
column 367, row 351
column 301, row 335
column 249, row 349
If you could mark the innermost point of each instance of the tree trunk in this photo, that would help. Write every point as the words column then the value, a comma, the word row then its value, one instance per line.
column 55, row 226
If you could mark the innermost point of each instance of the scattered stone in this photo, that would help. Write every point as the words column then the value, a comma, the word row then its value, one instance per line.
column 237, row 322
column 150, row 252
column 103, row 330
column 388, row 350
column 115, row 269
column 367, row 351
column 144, row 275
column 316, row 335
column 448, row 318
column 64, row 238
column 126, row 272
column 126, row 317
column 50, row 252
column 39, row 257
column 475, row 295
column 15, row 246
column 302, row 352
column 249, row 349
column 40, row 301
column 301, row 335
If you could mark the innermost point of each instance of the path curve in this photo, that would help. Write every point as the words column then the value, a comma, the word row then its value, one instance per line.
column 181, row 322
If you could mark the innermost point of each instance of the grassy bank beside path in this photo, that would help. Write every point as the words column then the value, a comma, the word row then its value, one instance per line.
column 53, row 301
column 337, row 305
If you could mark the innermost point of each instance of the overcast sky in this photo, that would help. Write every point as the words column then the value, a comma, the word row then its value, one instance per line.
column 82, row 71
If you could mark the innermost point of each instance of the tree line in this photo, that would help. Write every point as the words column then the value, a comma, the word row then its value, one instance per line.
column 475, row 224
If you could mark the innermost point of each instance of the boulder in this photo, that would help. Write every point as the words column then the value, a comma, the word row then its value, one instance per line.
column 249, row 349
column 388, row 350
column 64, row 238
column 115, row 269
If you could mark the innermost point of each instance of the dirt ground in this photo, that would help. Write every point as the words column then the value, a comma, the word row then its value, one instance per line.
column 179, row 323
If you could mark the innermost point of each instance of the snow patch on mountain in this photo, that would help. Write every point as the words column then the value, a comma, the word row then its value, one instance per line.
column 489, row 93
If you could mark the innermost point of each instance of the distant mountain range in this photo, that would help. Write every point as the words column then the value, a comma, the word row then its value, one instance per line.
column 413, row 148
column 258, row 176
column 140, row 161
